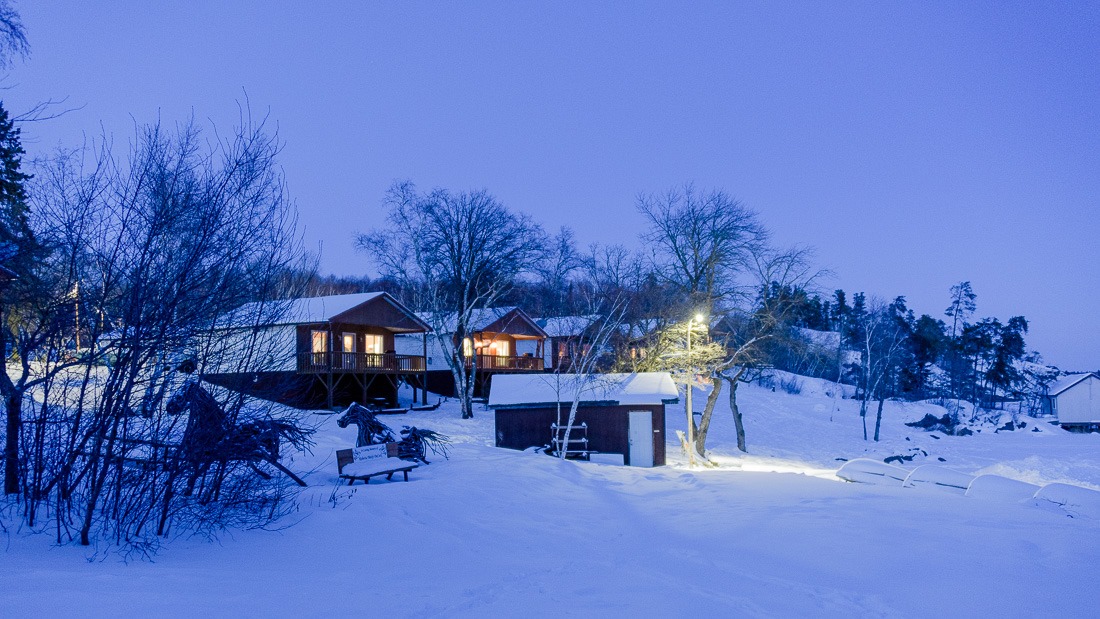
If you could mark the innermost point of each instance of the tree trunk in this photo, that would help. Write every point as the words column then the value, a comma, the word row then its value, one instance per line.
column 708, row 410
column 463, row 379
column 878, row 418
column 14, row 405
column 737, row 422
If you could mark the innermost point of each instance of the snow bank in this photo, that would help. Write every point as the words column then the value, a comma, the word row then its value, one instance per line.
column 1076, row 500
column 938, row 478
column 998, row 488
column 867, row 471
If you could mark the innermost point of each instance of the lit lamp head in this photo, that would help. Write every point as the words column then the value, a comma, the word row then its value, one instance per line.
column 699, row 318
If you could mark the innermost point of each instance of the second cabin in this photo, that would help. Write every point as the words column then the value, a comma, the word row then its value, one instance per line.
column 501, row 340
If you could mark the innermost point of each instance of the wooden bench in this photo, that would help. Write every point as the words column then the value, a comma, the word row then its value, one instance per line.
column 371, row 461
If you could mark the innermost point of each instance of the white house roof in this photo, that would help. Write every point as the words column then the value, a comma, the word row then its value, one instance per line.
column 566, row 326
column 538, row 390
column 479, row 318
column 1066, row 382
column 298, row 311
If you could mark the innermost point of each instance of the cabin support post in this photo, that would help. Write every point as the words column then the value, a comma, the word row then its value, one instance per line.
column 330, row 359
column 424, row 374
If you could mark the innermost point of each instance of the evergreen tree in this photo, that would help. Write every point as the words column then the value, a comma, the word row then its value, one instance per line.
column 19, row 250
column 962, row 306
column 928, row 343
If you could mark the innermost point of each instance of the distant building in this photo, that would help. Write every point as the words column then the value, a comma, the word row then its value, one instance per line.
column 1075, row 401
column 569, row 339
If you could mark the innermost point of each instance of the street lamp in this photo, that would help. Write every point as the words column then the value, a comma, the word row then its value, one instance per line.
column 691, row 375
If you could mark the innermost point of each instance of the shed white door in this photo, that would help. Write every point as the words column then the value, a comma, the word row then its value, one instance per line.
column 640, row 435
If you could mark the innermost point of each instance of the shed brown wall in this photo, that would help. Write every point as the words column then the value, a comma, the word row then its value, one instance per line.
column 608, row 428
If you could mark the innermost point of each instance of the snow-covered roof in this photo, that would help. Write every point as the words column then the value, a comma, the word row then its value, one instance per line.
column 1066, row 382
column 538, row 390
column 641, row 329
column 302, row 311
column 567, row 326
column 479, row 318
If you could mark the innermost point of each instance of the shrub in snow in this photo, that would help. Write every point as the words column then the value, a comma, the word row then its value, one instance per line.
column 790, row 384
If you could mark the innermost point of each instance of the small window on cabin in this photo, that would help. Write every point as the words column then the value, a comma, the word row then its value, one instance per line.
column 373, row 344
column 503, row 348
column 349, row 342
column 319, row 342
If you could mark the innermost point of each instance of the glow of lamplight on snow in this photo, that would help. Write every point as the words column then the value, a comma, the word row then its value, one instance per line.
column 773, row 466
column 803, row 469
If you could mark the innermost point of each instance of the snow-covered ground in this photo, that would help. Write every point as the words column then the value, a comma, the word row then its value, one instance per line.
column 494, row 532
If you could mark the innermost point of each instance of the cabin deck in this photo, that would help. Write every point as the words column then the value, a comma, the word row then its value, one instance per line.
column 359, row 363
column 507, row 363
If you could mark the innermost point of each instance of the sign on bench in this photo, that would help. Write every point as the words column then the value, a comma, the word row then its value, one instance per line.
column 370, row 452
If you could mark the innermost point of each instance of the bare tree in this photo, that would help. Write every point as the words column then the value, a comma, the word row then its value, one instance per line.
column 13, row 38
column 455, row 254
column 883, row 345
column 747, row 333
column 702, row 242
column 163, row 246
column 556, row 271
column 580, row 376
column 668, row 351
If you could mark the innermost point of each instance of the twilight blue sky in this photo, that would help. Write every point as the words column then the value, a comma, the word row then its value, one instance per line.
column 914, row 144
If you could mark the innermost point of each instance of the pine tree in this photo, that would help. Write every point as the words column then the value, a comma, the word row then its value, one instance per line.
column 19, row 250
column 20, row 253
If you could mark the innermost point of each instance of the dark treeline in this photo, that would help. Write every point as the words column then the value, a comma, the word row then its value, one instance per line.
column 983, row 361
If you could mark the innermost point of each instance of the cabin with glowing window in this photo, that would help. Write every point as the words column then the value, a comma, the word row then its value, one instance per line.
column 501, row 340
column 322, row 351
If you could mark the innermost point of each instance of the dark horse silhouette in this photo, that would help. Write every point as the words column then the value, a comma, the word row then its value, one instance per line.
column 371, row 431
column 211, row 438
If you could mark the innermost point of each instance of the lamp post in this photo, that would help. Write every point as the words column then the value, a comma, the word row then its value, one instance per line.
column 691, row 376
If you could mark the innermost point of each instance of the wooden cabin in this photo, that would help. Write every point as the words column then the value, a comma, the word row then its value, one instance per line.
column 328, row 351
column 1075, row 401
column 501, row 340
column 617, row 413
column 568, row 339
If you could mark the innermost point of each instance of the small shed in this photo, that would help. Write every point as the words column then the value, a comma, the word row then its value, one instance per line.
column 620, row 413
column 1075, row 400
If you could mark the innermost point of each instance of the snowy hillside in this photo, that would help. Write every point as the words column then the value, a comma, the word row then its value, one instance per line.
column 493, row 532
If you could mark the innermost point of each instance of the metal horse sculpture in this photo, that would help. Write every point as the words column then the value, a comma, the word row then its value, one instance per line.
column 210, row 437
column 374, row 432
column 371, row 431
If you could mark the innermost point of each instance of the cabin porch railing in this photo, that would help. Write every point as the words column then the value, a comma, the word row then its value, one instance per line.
column 501, row 362
column 365, row 362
